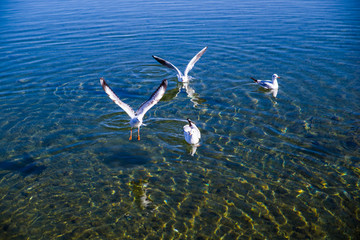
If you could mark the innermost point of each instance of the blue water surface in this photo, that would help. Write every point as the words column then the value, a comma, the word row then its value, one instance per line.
column 284, row 167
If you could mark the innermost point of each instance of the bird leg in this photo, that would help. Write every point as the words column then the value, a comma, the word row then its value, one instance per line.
column 138, row 133
column 130, row 138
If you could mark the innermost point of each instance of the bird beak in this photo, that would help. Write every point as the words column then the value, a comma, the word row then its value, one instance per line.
column 278, row 77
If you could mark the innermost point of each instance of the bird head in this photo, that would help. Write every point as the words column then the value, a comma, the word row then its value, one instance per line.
column 275, row 76
column 189, row 121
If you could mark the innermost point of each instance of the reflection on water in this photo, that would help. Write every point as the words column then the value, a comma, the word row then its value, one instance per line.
column 139, row 191
column 270, row 166
column 274, row 92
column 190, row 93
column 193, row 149
column 194, row 97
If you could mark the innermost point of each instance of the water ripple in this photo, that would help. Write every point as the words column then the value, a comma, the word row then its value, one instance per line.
column 266, row 167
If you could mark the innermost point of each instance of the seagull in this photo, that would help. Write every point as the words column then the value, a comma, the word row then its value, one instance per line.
column 191, row 133
column 181, row 77
column 267, row 84
column 192, row 136
column 136, row 117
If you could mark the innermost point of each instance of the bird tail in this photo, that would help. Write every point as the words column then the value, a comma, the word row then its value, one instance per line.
column 254, row 79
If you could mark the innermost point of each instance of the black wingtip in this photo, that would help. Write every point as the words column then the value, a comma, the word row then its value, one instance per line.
column 164, row 82
column 156, row 57
column 161, row 61
column 254, row 79
column 102, row 81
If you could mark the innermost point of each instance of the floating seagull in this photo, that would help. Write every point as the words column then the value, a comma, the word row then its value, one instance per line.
column 192, row 135
column 136, row 117
column 181, row 77
column 267, row 84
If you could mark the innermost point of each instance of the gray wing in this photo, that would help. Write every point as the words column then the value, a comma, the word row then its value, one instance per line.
column 116, row 99
column 154, row 99
column 167, row 64
column 264, row 83
column 194, row 60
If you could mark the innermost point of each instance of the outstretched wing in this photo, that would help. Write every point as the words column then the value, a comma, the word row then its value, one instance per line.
column 154, row 99
column 167, row 64
column 116, row 99
column 194, row 60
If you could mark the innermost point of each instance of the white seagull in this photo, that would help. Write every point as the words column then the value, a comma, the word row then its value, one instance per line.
column 191, row 133
column 192, row 136
column 267, row 84
column 181, row 77
column 136, row 117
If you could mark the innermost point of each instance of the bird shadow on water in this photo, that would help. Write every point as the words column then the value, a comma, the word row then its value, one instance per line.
column 25, row 167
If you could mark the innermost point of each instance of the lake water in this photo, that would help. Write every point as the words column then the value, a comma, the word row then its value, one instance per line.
column 284, row 167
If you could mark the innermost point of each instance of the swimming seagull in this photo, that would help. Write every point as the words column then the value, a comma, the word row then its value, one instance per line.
column 136, row 117
column 192, row 135
column 267, row 84
column 181, row 77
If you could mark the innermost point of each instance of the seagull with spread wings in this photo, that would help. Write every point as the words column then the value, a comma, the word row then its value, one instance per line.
column 136, row 117
column 182, row 77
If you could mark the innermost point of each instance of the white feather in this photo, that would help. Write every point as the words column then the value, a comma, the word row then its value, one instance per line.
column 136, row 117
column 182, row 77
column 193, row 61
column 268, row 84
column 116, row 99
column 191, row 133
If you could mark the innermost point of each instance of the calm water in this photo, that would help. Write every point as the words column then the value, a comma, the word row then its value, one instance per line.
column 267, row 168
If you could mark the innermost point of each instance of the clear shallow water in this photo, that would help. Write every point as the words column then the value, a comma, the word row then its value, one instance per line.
column 267, row 168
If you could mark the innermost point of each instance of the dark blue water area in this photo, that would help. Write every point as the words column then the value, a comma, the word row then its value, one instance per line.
column 267, row 167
